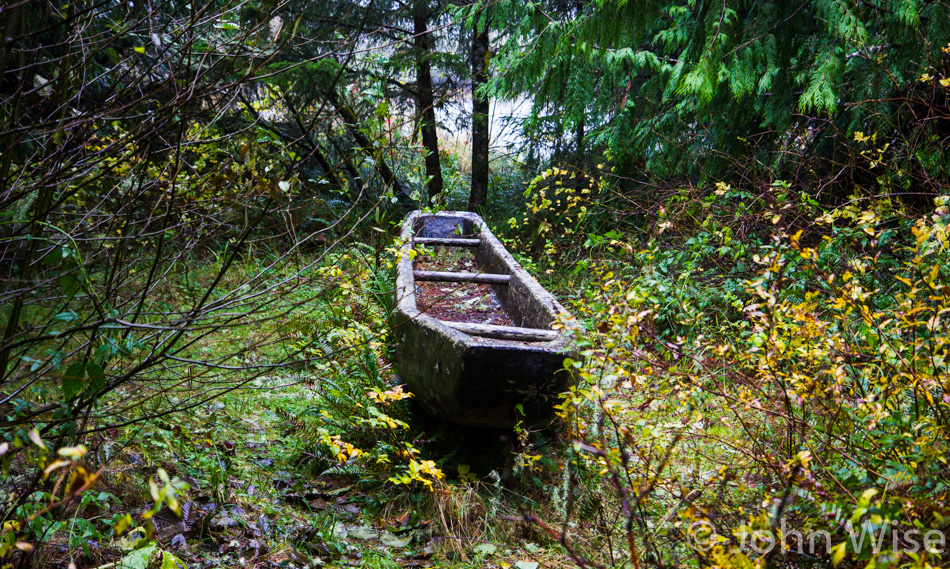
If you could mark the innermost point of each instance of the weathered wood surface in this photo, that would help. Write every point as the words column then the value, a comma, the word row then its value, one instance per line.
column 461, row 277
column 448, row 241
column 515, row 333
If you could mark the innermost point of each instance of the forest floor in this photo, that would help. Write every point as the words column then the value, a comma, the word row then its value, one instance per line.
column 298, row 468
column 311, row 454
column 257, row 498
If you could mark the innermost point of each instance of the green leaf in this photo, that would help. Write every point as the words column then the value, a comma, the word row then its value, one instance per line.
column 70, row 285
column 139, row 558
column 97, row 377
column 139, row 49
column 74, row 380
column 857, row 514
column 866, row 496
column 95, row 371
column 53, row 257
column 169, row 561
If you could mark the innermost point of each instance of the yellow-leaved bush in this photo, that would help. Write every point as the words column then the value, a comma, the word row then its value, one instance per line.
column 786, row 397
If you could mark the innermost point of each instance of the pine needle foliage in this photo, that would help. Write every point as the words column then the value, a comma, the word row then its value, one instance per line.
column 691, row 86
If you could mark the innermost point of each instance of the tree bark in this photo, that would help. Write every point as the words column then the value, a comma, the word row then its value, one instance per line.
column 579, row 154
column 579, row 150
column 312, row 145
column 479, row 193
column 425, row 100
column 347, row 158
column 352, row 125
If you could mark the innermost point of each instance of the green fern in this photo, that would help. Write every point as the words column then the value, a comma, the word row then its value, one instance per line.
column 820, row 95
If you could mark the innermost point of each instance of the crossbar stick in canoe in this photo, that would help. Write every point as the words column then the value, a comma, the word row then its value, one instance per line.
column 447, row 241
column 461, row 277
column 503, row 332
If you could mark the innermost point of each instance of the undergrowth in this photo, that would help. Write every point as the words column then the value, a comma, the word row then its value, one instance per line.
column 764, row 381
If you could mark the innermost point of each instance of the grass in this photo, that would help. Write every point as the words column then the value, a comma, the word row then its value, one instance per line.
column 259, row 446
column 324, row 460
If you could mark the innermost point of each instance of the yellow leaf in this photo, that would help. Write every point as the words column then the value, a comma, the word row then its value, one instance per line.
column 74, row 453
column 54, row 467
column 795, row 238
column 122, row 525
column 34, row 436
column 79, row 479
column 838, row 554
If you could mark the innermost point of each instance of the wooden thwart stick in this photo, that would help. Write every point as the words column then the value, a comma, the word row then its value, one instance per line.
column 503, row 332
column 448, row 241
column 484, row 278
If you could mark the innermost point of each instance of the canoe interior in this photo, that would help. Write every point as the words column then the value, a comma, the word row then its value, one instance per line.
column 456, row 372
column 517, row 300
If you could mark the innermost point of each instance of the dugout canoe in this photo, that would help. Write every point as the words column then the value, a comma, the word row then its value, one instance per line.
column 478, row 374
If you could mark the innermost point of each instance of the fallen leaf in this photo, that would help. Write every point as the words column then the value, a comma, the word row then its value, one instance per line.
column 390, row 540
column 349, row 509
column 486, row 549
column 179, row 542
column 362, row 533
column 138, row 559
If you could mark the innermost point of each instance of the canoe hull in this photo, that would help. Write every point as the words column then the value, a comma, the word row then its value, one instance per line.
column 475, row 380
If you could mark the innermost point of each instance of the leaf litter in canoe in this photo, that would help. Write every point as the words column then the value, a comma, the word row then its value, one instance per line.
column 461, row 302
column 457, row 302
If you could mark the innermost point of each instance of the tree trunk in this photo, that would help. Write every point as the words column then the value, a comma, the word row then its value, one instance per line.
column 479, row 196
column 352, row 125
column 347, row 158
column 425, row 100
column 579, row 154
column 313, row 147
column 557, row 156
